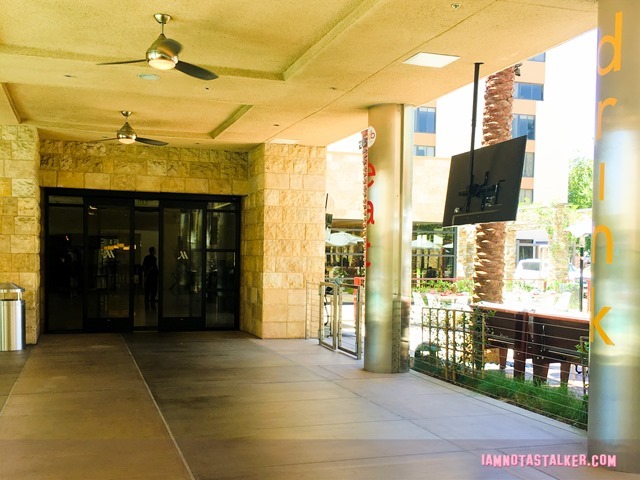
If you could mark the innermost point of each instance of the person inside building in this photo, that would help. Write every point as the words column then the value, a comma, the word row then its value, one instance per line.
column 150, row 267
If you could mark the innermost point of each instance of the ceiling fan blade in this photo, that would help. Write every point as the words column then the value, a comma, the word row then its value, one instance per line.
column 125, row 61
column 195, row 71
column 168, row 46
column 149, row 141
column 103, row 140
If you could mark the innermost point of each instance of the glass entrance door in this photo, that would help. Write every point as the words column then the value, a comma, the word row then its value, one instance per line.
column 95, row 249
column 181, row 272
column 64, row 275
column 108, row 262
column 145, row 278
column 222, row 282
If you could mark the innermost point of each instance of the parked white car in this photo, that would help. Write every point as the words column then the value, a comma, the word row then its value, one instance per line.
column 531, row 269
column 536, row 269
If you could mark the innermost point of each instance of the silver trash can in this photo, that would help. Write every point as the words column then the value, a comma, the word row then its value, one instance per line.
column 12, row 318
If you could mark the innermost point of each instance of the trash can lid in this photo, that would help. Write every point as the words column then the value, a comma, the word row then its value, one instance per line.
column 8, row 287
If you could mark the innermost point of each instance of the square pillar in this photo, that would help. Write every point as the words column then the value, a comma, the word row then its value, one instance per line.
column 20, row 218
column 283, row 238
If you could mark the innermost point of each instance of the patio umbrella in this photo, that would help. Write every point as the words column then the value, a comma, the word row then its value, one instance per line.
column 342, row 239
column 422, row 242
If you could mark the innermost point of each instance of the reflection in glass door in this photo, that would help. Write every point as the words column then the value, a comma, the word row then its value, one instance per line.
column 145, row 311
column 64, row 259
column 95, row 247
column 181, row 273
column 108, row 254
column 221, row 278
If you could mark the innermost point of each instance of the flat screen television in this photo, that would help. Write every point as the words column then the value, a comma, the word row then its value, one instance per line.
column 492, row 194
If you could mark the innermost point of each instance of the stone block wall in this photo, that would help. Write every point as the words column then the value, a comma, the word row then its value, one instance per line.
column 282, row 238
column 20, row 218
column 113, row 166
column 282, row 225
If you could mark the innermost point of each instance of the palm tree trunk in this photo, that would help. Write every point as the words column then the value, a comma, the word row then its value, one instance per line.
column 490, row 237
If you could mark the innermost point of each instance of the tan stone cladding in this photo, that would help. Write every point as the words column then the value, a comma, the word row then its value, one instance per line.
column 283, row 212
column 20, row 218
column 283, row 238
column 112, row 166
column 282, row 233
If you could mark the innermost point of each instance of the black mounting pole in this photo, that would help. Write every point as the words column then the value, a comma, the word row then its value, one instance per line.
column 476, row 79
column 581, row 283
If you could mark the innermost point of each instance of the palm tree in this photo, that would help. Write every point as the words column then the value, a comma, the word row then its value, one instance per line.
column 490, row 237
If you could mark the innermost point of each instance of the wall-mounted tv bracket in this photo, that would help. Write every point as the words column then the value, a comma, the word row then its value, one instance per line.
column 488, row 194
column 474, row 189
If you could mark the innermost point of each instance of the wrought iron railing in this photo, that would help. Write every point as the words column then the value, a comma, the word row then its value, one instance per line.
column 533, row 359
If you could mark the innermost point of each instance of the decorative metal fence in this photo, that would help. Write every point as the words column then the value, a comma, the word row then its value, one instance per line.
column 535, row 360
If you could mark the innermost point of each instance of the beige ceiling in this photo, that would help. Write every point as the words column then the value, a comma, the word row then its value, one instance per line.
column 304, row 70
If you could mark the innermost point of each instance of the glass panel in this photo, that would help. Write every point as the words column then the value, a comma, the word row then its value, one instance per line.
column 221, row 290
column 221, row 230
column 433, row 253
column 539, row 58
column 145, row 313
column 108, row 259
column 425, row 120
column 64, row 268
column 59, row 199
column 523, row 125
column 424, row 151
column 222, row 206
column 529, row 163
column 181, row 269
column 147, row 203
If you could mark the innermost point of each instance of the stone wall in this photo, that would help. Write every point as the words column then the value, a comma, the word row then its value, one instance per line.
column 113, row 166
column 20, row 218
column 282, row 238
column 282, row 226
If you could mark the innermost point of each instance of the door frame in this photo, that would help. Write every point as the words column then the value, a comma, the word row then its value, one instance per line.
column 166, row 200
column 107, row 323
column 181, row 322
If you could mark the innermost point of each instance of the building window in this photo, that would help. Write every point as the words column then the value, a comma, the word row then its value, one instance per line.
column 529, row 164
column 539, row 58
column 523, row 125
column 528, row 91
column 344, row 249
column 425, row 120
column 525, row 249
column 526, row 195
column 424, row 151
column 433, row 253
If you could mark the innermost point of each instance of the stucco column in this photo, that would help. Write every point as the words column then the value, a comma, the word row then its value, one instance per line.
column 388, row 235
column 20, row 218
column 614, row 368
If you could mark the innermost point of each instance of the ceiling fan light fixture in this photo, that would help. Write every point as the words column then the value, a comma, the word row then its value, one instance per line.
column 160, row 61
column 126, row 140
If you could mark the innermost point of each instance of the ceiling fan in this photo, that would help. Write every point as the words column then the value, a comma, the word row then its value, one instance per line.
column 163, row 55
column 127, row 135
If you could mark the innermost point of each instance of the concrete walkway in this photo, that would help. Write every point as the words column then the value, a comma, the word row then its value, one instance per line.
column 228, row 406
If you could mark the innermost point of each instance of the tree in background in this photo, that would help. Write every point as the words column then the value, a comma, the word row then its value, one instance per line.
column 490, row 237
column 581, row 182
column 581, row 194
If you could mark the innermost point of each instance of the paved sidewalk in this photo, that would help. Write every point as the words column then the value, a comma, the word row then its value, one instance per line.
column 208, row 405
